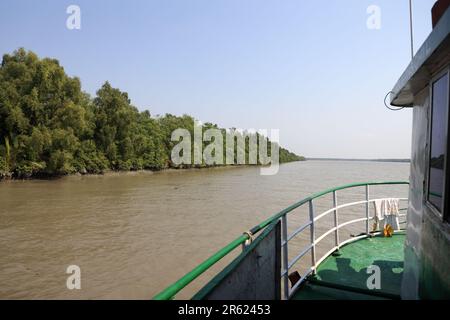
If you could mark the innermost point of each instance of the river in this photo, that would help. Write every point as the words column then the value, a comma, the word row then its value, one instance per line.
column 132, row 234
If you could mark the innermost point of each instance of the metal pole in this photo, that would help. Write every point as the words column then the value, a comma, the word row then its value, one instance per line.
column 313, row 236
column 336, row 220
column 285, row 257
column 411, row 28
column 367, row 209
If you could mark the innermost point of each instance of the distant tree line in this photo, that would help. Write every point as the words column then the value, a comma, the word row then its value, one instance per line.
column 360, row 160
column 49, row 126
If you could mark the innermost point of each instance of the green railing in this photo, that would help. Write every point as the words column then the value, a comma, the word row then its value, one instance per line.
column 173, row 289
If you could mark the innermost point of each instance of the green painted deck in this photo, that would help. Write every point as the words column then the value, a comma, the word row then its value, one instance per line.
column 345, row 276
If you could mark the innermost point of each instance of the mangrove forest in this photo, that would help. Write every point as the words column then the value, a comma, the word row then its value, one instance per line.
column 50, row 127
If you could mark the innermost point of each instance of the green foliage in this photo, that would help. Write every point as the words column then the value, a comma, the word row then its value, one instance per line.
column 49, row 126
column 286, row 156
column 3, row 167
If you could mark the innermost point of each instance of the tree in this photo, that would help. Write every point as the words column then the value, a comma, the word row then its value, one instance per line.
column 49, row 126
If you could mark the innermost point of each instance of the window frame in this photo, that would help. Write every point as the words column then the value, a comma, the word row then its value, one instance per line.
column 444, row 215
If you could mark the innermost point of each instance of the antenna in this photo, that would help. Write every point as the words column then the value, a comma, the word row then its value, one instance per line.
column 411, row 28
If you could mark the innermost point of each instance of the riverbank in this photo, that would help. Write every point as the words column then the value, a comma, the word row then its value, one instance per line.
column 128, row 172
column 67, row 131
column 359, row 160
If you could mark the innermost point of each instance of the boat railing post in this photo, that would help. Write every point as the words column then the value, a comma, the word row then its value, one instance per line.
column 367, row 209
column 336, row 220
column 285, row 257
column 313, row 236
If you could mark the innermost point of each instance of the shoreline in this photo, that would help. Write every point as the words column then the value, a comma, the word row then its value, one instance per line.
column 361, row 160
column 109, row 173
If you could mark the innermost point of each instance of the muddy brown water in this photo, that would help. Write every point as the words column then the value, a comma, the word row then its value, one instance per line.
column 134, row 234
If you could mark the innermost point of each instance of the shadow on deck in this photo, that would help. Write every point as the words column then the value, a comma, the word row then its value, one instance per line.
column 345, row 276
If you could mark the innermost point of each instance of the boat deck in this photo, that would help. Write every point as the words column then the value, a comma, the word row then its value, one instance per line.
column 345, row 276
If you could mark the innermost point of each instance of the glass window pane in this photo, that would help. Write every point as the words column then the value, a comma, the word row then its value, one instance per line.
column 438, row 145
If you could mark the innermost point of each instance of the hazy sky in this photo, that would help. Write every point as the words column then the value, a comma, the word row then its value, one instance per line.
column 309, row 68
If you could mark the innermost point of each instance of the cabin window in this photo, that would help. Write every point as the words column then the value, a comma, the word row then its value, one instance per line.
column 438, row 143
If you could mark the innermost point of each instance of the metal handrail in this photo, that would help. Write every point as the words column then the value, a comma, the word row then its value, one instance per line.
column 314, row 241
column 173, row 289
